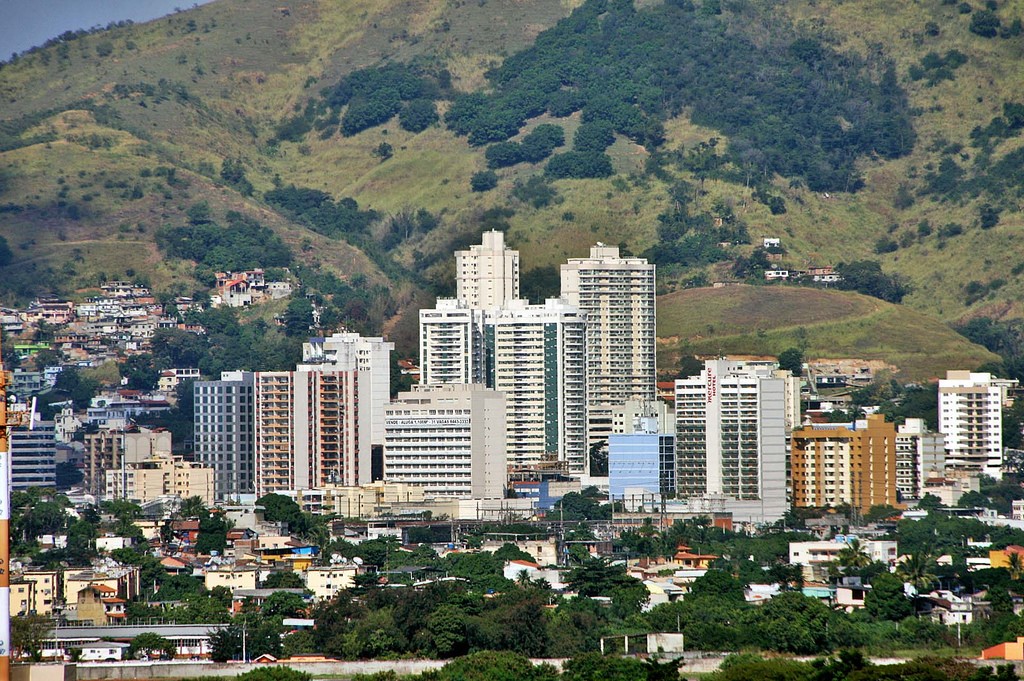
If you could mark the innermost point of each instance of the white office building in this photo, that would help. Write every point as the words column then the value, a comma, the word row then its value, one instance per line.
column 487, row 275
column 535, row 354
column 451, row 343
column 448, row 439
column 971, row 419
column 731, row 438
column 224, row 432
column 617, row 296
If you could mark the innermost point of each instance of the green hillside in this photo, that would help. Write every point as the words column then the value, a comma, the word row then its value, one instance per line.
column 107, row 138
column 825, row 324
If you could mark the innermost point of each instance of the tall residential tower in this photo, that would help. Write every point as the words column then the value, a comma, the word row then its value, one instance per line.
column 971, row 418
column 487, row 275
column 617, row 297
column 535, row 354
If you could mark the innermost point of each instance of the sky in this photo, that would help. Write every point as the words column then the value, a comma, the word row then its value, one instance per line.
column 27, row 23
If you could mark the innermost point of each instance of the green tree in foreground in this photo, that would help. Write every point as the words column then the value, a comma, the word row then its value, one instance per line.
column 151, row 645
column 886, row 600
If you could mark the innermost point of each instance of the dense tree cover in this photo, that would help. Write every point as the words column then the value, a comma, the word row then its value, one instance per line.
column 370, row 97
column 867, row 277
column 483, row 181
column 631, row 68
column 540, row 283
column 418, row 115
column 451, row 618
column 690, row 236
column 579, row 165
column 243, row 244
column 228, row 345
column 319, row 211
column 535, row 146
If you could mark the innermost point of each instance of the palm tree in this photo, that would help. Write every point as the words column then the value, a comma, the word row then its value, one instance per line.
column 192, row 507
column 1015, row 564
column 853, row 555
column 916, row 569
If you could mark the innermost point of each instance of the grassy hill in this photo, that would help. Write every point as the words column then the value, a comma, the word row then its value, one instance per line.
column 85, row 121
column 825, row 324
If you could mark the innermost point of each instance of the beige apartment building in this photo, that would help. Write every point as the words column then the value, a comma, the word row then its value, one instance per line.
column 851, row 463
column 368, row 501
column 109, row 450
column 324, row 582
column 616, row 295
column 231, row 578
column 33, row 593
column 161, row 476
column 487, row 275
column 971, row 420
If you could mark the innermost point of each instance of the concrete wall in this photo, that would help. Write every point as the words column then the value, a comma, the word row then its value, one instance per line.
column 42, row 672
column 694, row 663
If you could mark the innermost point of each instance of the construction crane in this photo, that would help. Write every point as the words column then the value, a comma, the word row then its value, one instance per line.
column 6, row 423
column 5, row 530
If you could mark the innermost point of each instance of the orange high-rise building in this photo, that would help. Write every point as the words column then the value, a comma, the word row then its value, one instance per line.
column 854, row 464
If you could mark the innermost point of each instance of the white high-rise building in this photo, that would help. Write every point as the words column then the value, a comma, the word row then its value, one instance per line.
column 371, row 357
column 451, row 343
column 224, row 431
column 448, row 439
column 971, row 419
column 731, row 438
column 487, row 275
column 617, row 295
column 536, row 356
column 920, row 455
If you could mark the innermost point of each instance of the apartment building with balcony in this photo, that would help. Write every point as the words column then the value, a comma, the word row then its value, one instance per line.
column 920, row 456
column 317, row 425
column 451, row 343
column 487, row 274
column 617, row 296
column 536, row 355
column 845, row 463
column 971, row 419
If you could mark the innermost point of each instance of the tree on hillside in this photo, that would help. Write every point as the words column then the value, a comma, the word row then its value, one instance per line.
column 867, row 277
column 792, row 360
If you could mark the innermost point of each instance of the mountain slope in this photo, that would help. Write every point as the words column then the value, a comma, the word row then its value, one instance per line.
column 824, row 324
column 84, row 120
